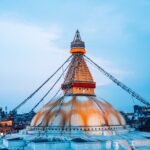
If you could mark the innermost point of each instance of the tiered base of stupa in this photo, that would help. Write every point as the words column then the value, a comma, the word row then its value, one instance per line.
column 79, row 130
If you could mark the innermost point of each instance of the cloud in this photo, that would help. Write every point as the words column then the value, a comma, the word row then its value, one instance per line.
column 108, row 66
column 106, row 23
column 107, row 26
column 31, row 53
column 28, row 53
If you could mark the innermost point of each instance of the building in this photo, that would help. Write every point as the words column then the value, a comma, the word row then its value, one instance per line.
column 79, row 110
column 6, row 126
column 10, row 123
column 141, row 118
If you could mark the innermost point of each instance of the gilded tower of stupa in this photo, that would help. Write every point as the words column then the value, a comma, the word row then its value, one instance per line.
column 79, row 80
column 79, row 110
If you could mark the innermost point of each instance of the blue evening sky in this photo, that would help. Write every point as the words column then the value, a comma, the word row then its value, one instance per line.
column 35, row 38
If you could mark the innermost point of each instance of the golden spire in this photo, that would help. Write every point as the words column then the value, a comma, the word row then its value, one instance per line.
column 77, row 45
column 78, row 80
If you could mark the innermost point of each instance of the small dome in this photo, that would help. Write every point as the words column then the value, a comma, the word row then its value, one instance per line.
column 77, row 111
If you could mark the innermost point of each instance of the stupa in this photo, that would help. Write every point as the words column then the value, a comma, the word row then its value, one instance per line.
column 78, row 116
column 78, row 111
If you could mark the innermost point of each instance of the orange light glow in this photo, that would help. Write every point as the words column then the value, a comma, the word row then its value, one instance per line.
column 77, row 50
